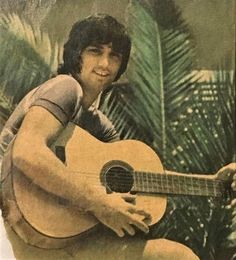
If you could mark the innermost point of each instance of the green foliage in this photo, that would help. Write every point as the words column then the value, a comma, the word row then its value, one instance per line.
column 27, row 57
column 166, row 105
column 206, row 130
column 159, row 78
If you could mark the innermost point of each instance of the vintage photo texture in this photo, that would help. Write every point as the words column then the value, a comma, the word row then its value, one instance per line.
column 177, row 95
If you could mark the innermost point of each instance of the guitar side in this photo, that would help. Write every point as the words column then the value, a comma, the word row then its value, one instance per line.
column 47, row 221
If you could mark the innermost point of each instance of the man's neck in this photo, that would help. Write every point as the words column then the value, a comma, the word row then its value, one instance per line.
column 88, row 99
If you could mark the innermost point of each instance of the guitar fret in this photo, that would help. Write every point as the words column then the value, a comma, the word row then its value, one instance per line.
column 196, row 184
column 185, row 185
column 161, row 187
column 145, row 181
column 214, row 190
column 206, row 187
column 135, row 184
column 152, row 182
column 150, row 188
column 166, row 181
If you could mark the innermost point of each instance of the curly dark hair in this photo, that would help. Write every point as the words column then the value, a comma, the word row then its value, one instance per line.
column 95, row 29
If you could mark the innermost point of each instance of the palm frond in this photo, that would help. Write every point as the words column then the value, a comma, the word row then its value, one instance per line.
column 27, row 56
column 159, row 77
column 38, row 40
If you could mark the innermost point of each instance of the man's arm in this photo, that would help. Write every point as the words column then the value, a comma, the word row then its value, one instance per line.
column 31, row 154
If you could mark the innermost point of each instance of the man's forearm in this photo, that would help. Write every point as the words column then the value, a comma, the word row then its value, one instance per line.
column 48, row 172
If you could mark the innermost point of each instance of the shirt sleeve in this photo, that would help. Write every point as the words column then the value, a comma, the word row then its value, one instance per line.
column 61, row 96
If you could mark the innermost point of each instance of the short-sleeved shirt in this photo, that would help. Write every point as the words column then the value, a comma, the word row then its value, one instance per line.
column 61, row 96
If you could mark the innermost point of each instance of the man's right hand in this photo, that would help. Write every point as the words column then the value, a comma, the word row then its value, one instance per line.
column 119, row 215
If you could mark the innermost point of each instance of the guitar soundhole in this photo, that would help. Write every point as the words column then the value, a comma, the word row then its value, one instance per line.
column 119, row 179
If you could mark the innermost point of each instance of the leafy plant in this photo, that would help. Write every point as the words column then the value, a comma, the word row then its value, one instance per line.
column 164, row 105
column 27, row 57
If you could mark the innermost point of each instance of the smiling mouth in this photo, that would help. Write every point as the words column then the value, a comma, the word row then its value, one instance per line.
column 101, row 74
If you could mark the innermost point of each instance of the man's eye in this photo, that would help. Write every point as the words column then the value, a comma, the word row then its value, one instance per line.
column 94, row 50
column 116, row 55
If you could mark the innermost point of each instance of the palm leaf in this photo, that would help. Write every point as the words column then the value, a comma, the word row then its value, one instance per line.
column 159, row 78
column 27, row 56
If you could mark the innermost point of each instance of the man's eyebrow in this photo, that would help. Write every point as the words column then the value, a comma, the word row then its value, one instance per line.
column 97, row 45
column 101, row 46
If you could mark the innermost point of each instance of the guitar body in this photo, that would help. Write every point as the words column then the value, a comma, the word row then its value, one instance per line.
column 44, row 220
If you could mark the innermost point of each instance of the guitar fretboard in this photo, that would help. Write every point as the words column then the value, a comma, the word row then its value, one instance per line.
column 177, row 184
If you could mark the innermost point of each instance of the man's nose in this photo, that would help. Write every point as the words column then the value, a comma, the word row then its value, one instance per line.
column 104, row 61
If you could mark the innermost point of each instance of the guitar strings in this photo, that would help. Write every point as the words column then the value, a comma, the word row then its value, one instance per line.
column 154, row 177
column 210, row 185
column 214, row 192
column 151, row 176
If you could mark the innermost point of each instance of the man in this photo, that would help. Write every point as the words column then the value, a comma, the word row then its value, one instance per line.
column 95, row 55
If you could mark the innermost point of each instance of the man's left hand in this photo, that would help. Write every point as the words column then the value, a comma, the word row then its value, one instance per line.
column 229, row 172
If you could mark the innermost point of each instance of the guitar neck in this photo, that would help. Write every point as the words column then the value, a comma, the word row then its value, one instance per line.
column 179, row 184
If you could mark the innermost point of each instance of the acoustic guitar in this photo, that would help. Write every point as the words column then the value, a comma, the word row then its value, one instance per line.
column 47, row 221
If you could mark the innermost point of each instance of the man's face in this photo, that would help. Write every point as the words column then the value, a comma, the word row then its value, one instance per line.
column 100, row 65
